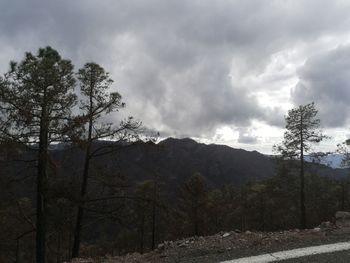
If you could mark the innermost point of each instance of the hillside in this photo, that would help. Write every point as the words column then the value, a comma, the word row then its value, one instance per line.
column 123, row 205
column 231, row 245
column 175, row 160
column 171, row 161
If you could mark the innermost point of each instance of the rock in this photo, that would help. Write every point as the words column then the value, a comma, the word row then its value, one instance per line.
column 226, row 234
column 342, row 218
column 342, row 214
column 316, row 229
column 183, row 245
column 81, row 260
column 326, row 225
column 237, row 231
column 161, row 246
column 248, row 232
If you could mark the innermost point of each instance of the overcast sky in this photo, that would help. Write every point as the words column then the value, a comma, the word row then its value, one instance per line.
column 220, row 71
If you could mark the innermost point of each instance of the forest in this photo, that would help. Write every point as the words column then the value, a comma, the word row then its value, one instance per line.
column 65, row 192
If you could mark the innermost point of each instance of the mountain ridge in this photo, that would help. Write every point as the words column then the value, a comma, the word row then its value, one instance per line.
column 175, row 160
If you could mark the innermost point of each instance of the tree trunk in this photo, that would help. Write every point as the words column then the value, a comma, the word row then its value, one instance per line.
column 244, row 213
column 17, row 251
column 195, row 222
column 154, row 216
column 302, row 178
column 342, row 204
column 69, row 244
column 262, row 213
column 58, row 259
column 142, row 234
column 41, row 187
column 80, row 214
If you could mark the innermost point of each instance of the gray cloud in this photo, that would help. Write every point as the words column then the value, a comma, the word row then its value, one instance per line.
column 245, row 137
column 171, row 60
column 324, row 79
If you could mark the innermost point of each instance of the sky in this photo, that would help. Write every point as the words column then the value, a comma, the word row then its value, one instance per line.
column 223, row 71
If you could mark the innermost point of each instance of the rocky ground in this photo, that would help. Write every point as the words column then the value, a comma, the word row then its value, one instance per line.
column 234, row 244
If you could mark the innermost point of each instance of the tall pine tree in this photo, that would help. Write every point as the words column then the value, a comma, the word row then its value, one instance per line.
column 302, row 130
column 96, row 103
column 36, row 97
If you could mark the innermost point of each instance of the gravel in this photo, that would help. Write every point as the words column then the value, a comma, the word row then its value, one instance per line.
column 230, row 245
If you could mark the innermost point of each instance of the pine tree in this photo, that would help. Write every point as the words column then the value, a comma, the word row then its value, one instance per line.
column 302, row 130
column 96, row 103
column 193, row 202
column 36, row 100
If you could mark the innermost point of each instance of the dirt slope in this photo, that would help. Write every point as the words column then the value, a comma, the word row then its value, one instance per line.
column 229, row 245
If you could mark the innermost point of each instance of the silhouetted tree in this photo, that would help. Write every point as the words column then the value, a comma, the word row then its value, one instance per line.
column 193, row 200
column 302, row 129
column 343, row 149
column 36, row 101
column 145, row 210
column 96, row 103
column 216, row 210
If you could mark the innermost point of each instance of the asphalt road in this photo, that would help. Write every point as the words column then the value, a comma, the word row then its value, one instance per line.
column 336, row 252
column 337, row 257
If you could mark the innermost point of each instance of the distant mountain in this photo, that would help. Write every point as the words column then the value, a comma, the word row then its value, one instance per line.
column 333, row 160
column 220, row 164
column 175, row 160
column 172, row 161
